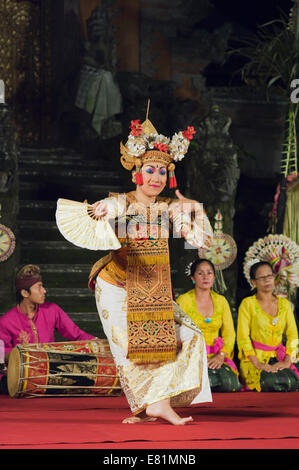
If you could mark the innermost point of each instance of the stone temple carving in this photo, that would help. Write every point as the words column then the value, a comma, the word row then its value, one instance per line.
column 216, row 157
column 98, row 93
column 8, row 151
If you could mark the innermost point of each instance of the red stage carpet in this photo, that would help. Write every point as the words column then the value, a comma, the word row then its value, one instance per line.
column 246, row 420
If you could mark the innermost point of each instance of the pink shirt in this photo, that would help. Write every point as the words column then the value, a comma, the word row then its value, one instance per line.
column 16, row 328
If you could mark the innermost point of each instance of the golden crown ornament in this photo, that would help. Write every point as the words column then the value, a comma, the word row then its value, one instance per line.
column 146, row 145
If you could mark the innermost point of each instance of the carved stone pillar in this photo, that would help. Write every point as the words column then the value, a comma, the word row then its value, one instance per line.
column 25, row 64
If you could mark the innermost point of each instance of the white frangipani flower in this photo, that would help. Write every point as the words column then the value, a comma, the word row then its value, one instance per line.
column 177, row 146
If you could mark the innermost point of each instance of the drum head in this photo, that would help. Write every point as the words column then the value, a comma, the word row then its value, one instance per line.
column 13, row 372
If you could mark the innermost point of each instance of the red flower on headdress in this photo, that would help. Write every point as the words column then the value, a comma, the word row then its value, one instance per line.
column 136, row 128
column 161, row 147
column 188, row 134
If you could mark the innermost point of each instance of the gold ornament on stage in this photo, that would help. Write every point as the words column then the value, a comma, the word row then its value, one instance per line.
column 223, row 250
column 7, row 242
column 222, row 253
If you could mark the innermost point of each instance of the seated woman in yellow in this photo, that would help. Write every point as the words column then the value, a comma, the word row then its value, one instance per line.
column 263, row 320
column 211, row 313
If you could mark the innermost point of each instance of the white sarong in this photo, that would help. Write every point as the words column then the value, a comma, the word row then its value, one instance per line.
column 185, row 381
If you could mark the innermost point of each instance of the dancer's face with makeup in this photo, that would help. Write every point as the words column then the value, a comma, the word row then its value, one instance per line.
column 154, row 177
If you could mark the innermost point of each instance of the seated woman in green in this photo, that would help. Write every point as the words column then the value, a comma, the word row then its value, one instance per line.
column 263, row 320
column 211, row 313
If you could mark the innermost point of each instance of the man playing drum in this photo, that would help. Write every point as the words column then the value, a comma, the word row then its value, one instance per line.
column 33, row 320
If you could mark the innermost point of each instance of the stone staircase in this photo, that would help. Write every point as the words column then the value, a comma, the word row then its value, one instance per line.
column 45, row 175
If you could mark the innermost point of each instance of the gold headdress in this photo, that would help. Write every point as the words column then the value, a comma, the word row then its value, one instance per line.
column 145, row 144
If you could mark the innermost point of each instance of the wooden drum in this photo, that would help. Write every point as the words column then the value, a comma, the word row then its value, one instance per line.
column 62, row 369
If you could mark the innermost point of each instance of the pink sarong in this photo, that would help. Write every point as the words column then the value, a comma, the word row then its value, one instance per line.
column 218, row 343
column 280, row 352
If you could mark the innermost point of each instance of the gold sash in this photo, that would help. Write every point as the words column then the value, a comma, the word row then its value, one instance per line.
column 151, row 330
column 150, row 316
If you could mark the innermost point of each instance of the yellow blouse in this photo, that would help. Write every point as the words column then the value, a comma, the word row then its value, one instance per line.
column 255, row 324
column 221, row 320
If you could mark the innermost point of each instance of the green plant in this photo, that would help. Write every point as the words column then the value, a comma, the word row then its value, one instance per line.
column 273, row 61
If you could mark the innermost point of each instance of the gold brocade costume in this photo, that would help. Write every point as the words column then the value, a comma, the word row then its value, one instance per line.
column 159, row 352
column 143, row 263
column 112, row 267
column 182, row 378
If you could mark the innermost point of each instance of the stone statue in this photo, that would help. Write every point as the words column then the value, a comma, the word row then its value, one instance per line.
column 8, row 152
column 101, row 44
column 212, row 175
column 98, row 93
column 214, row 159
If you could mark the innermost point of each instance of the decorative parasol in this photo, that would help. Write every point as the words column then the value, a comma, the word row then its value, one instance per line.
column 283, row 254
column 7, row 242
column 223, row 250
column 222, row 253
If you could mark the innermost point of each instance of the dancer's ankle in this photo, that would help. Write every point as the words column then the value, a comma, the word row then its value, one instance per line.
column 164, row 410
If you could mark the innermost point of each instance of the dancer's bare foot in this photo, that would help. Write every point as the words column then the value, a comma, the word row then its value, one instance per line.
column 136, row 420
column 140, row 418
column 162, row 409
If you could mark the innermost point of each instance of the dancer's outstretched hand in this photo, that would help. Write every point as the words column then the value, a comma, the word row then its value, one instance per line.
column 185, row 204
column 100, row 209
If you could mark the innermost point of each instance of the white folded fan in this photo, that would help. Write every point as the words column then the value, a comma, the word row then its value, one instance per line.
column 77, row 224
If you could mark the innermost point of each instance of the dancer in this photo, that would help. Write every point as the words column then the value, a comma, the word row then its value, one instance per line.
column 263, row 320
column 159, row 352
column 211, row 313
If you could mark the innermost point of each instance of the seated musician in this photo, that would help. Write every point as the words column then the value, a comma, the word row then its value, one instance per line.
column 33, row 320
